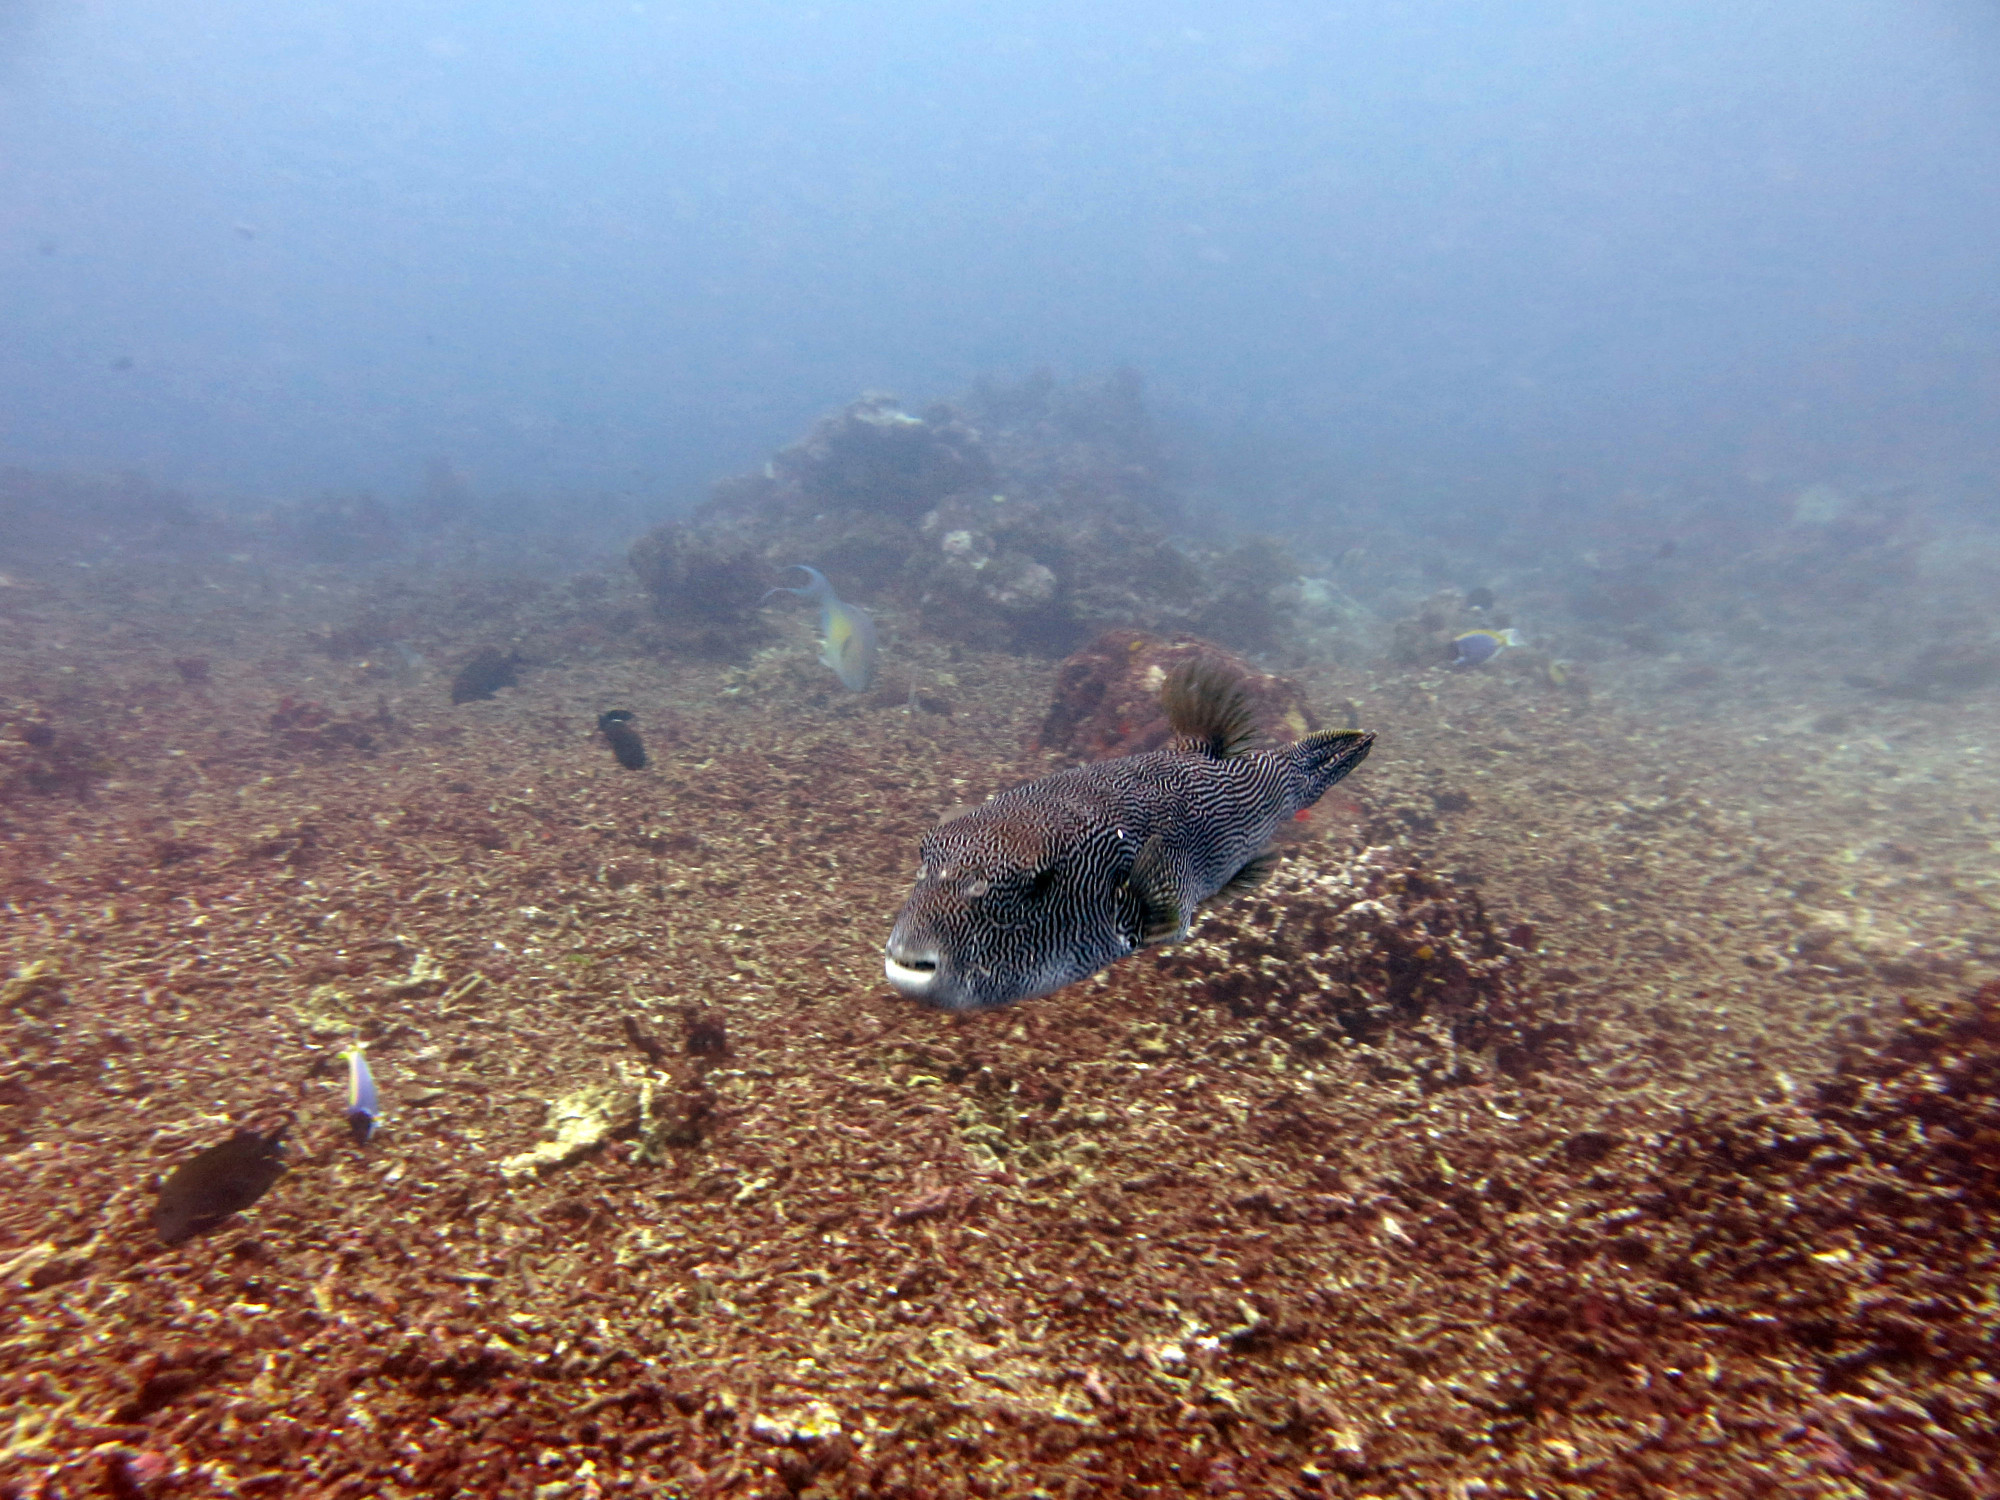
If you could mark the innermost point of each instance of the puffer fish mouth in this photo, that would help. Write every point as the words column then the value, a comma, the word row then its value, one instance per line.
column 912, row 972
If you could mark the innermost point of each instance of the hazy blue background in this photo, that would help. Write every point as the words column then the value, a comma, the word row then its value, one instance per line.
column 628, row 247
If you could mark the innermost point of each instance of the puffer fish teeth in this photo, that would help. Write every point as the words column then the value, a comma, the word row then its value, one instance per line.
column 913, row 971
column 1048, row 882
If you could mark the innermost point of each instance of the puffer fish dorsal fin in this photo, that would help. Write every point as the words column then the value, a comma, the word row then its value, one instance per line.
column 1152, row 882
column 1209, row 710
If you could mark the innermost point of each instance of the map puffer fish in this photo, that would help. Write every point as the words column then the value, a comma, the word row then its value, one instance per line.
column 847, row 635
column 1048, row 882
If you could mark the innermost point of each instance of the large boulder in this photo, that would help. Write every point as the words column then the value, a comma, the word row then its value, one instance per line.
column 1107, row 696
column 705, row 582
column 874, row 456
column 1030, row 520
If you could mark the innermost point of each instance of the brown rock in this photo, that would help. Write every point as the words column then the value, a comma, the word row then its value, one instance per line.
column 1107, row 697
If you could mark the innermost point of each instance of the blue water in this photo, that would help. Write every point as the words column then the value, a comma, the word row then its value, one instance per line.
column 611, row 251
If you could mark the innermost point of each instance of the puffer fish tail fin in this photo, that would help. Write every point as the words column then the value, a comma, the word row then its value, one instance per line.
column 1209, row 711
column 1321, row 759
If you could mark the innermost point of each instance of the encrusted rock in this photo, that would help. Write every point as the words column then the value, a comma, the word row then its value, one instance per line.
column 1107, row 696
column 705, row 583
column 876, row 456
column 814, row 1422
column 578, row 1124
column 36, row 988
column 1321, row 957
column 1041, row 525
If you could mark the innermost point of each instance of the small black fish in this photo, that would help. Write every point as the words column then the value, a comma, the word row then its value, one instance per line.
column 616, row 726
column 489, row 670
column 225, row 1179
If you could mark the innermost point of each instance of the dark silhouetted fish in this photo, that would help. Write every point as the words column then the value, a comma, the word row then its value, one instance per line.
column 616, row 727
column 225, row 1179
column 489, row 670
column 1049, row 882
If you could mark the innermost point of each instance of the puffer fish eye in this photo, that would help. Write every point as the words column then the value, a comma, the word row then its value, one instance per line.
column 978, row 887
column 1043, row 880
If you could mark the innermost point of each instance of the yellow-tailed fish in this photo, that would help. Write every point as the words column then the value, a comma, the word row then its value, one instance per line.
column 847, row 635
column 1476, row 647
column 363, row 1106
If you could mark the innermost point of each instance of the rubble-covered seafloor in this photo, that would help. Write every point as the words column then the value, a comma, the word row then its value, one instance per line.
column 1595, row 1103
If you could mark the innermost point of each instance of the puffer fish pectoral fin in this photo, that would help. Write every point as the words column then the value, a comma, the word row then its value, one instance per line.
column 1256, row 870
column 1152, row 882
column 1209, row 710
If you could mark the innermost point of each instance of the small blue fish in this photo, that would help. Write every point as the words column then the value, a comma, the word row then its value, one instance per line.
column 1477, row 647
column 362, row 1104
column 848, row 635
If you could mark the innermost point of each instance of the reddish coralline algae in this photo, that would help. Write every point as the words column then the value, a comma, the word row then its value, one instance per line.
column 1524, row 1140
column 1106, row 700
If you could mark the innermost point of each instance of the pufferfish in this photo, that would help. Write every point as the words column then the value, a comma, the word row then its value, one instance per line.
column 1048, row 882
column 847, row 635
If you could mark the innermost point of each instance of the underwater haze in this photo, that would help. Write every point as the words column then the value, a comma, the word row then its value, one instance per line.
column 625, row 248
column 1005, row 752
